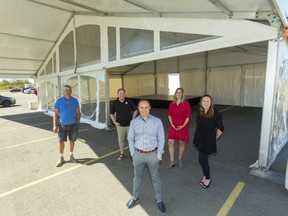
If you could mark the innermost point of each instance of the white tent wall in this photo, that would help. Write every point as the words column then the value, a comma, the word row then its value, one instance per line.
column 138, row 85
column 162, row 84
column 254, row 85
column 229, row 85
column 224, row 85
column 114, row 84
column 231, row 57
column 193, row 82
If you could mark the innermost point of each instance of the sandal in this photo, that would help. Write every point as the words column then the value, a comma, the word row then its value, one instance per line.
column 121, row 157
column 205, row 186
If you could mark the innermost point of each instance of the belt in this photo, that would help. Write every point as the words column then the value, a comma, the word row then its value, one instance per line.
column 145, row 152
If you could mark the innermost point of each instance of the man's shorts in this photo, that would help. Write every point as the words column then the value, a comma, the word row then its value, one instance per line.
column 68, row 130
column 122, row 133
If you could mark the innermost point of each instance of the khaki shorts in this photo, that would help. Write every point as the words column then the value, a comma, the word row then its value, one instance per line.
column 122, row 133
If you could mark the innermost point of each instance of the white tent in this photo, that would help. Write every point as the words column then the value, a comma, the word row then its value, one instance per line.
column 230, row 49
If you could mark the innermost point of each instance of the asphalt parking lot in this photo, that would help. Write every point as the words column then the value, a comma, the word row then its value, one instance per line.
column 98, row 184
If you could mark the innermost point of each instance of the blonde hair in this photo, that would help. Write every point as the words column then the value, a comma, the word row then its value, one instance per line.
column 182, row 98
column 210, row 112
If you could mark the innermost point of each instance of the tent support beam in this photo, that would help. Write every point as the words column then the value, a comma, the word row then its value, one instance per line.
column 222, row 7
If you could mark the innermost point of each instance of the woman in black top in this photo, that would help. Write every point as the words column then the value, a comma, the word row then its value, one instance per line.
column 209, row 128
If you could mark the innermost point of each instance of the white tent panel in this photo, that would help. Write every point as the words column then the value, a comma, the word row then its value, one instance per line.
column 254, row 85
column 162, row 84
column 193, row 82
column 60, row 5
column 146, row 84
column 19, row 64
column 224, row 57
column 224, row 85
column 27, row 25
column 138, row 85
column 192, row 61
column 114, row 85
column 247, row 5
column 168, row 65
column 111, row 6
column 5, row 15
column 17, row 73
column 25, row 48
column 146, row 67
column 185, row 6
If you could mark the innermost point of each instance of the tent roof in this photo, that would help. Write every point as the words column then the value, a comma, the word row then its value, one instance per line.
column 30, row 28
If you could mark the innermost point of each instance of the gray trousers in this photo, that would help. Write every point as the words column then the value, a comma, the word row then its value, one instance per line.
column 140, row 160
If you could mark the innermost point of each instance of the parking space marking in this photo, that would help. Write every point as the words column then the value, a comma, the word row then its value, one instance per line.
column 26, row 126
column 16, row 119
column 26, row 143
column 231, row 199
column 33, row 141
column 56, row 174
column 226, row 108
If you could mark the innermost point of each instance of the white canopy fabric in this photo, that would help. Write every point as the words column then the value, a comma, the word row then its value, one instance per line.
column 30, row 28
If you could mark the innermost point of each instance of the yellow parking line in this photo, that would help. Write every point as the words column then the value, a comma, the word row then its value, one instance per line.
column 226, row 108
column 26, row 143
column 55, row 175
column 231, row 199
column 26, row 126
column 21, row 144
column 16, row 119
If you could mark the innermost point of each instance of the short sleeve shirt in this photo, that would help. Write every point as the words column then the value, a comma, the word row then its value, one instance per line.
column 67, row 110
column 123, row 111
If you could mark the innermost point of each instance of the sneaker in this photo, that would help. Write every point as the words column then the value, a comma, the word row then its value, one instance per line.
column 72, row 159
column 132, row 202
column 60, row 162
column 121, row 157
column 161, row 207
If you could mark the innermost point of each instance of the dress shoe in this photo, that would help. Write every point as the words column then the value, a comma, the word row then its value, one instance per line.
column 171, row 164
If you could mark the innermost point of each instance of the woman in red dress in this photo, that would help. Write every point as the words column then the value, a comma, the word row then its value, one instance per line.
column 179, row 115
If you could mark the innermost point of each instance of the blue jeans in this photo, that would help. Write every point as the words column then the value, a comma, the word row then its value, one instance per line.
column 152, row 162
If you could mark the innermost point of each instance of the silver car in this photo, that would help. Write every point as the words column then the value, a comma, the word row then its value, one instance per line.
column 7, row 101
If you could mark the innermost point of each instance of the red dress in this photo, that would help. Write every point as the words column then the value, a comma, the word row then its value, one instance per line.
column 179, row 113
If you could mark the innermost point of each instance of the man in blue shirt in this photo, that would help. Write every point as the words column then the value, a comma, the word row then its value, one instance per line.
column 65, row 121
column 146, row 143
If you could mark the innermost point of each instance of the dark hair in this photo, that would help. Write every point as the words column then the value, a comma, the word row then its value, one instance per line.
column 67, row 86
column 210, row 112
column 144, row 100
column 121, row 89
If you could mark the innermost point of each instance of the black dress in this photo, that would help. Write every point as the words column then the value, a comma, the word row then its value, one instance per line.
column 205, row 133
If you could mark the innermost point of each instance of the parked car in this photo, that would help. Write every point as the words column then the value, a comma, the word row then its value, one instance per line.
column 24, row 90
column 15, row 90
column 29, row 90
column 33, row 91
column 7, row 101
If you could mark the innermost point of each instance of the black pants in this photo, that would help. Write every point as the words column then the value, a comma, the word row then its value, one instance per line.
column 203, row 160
